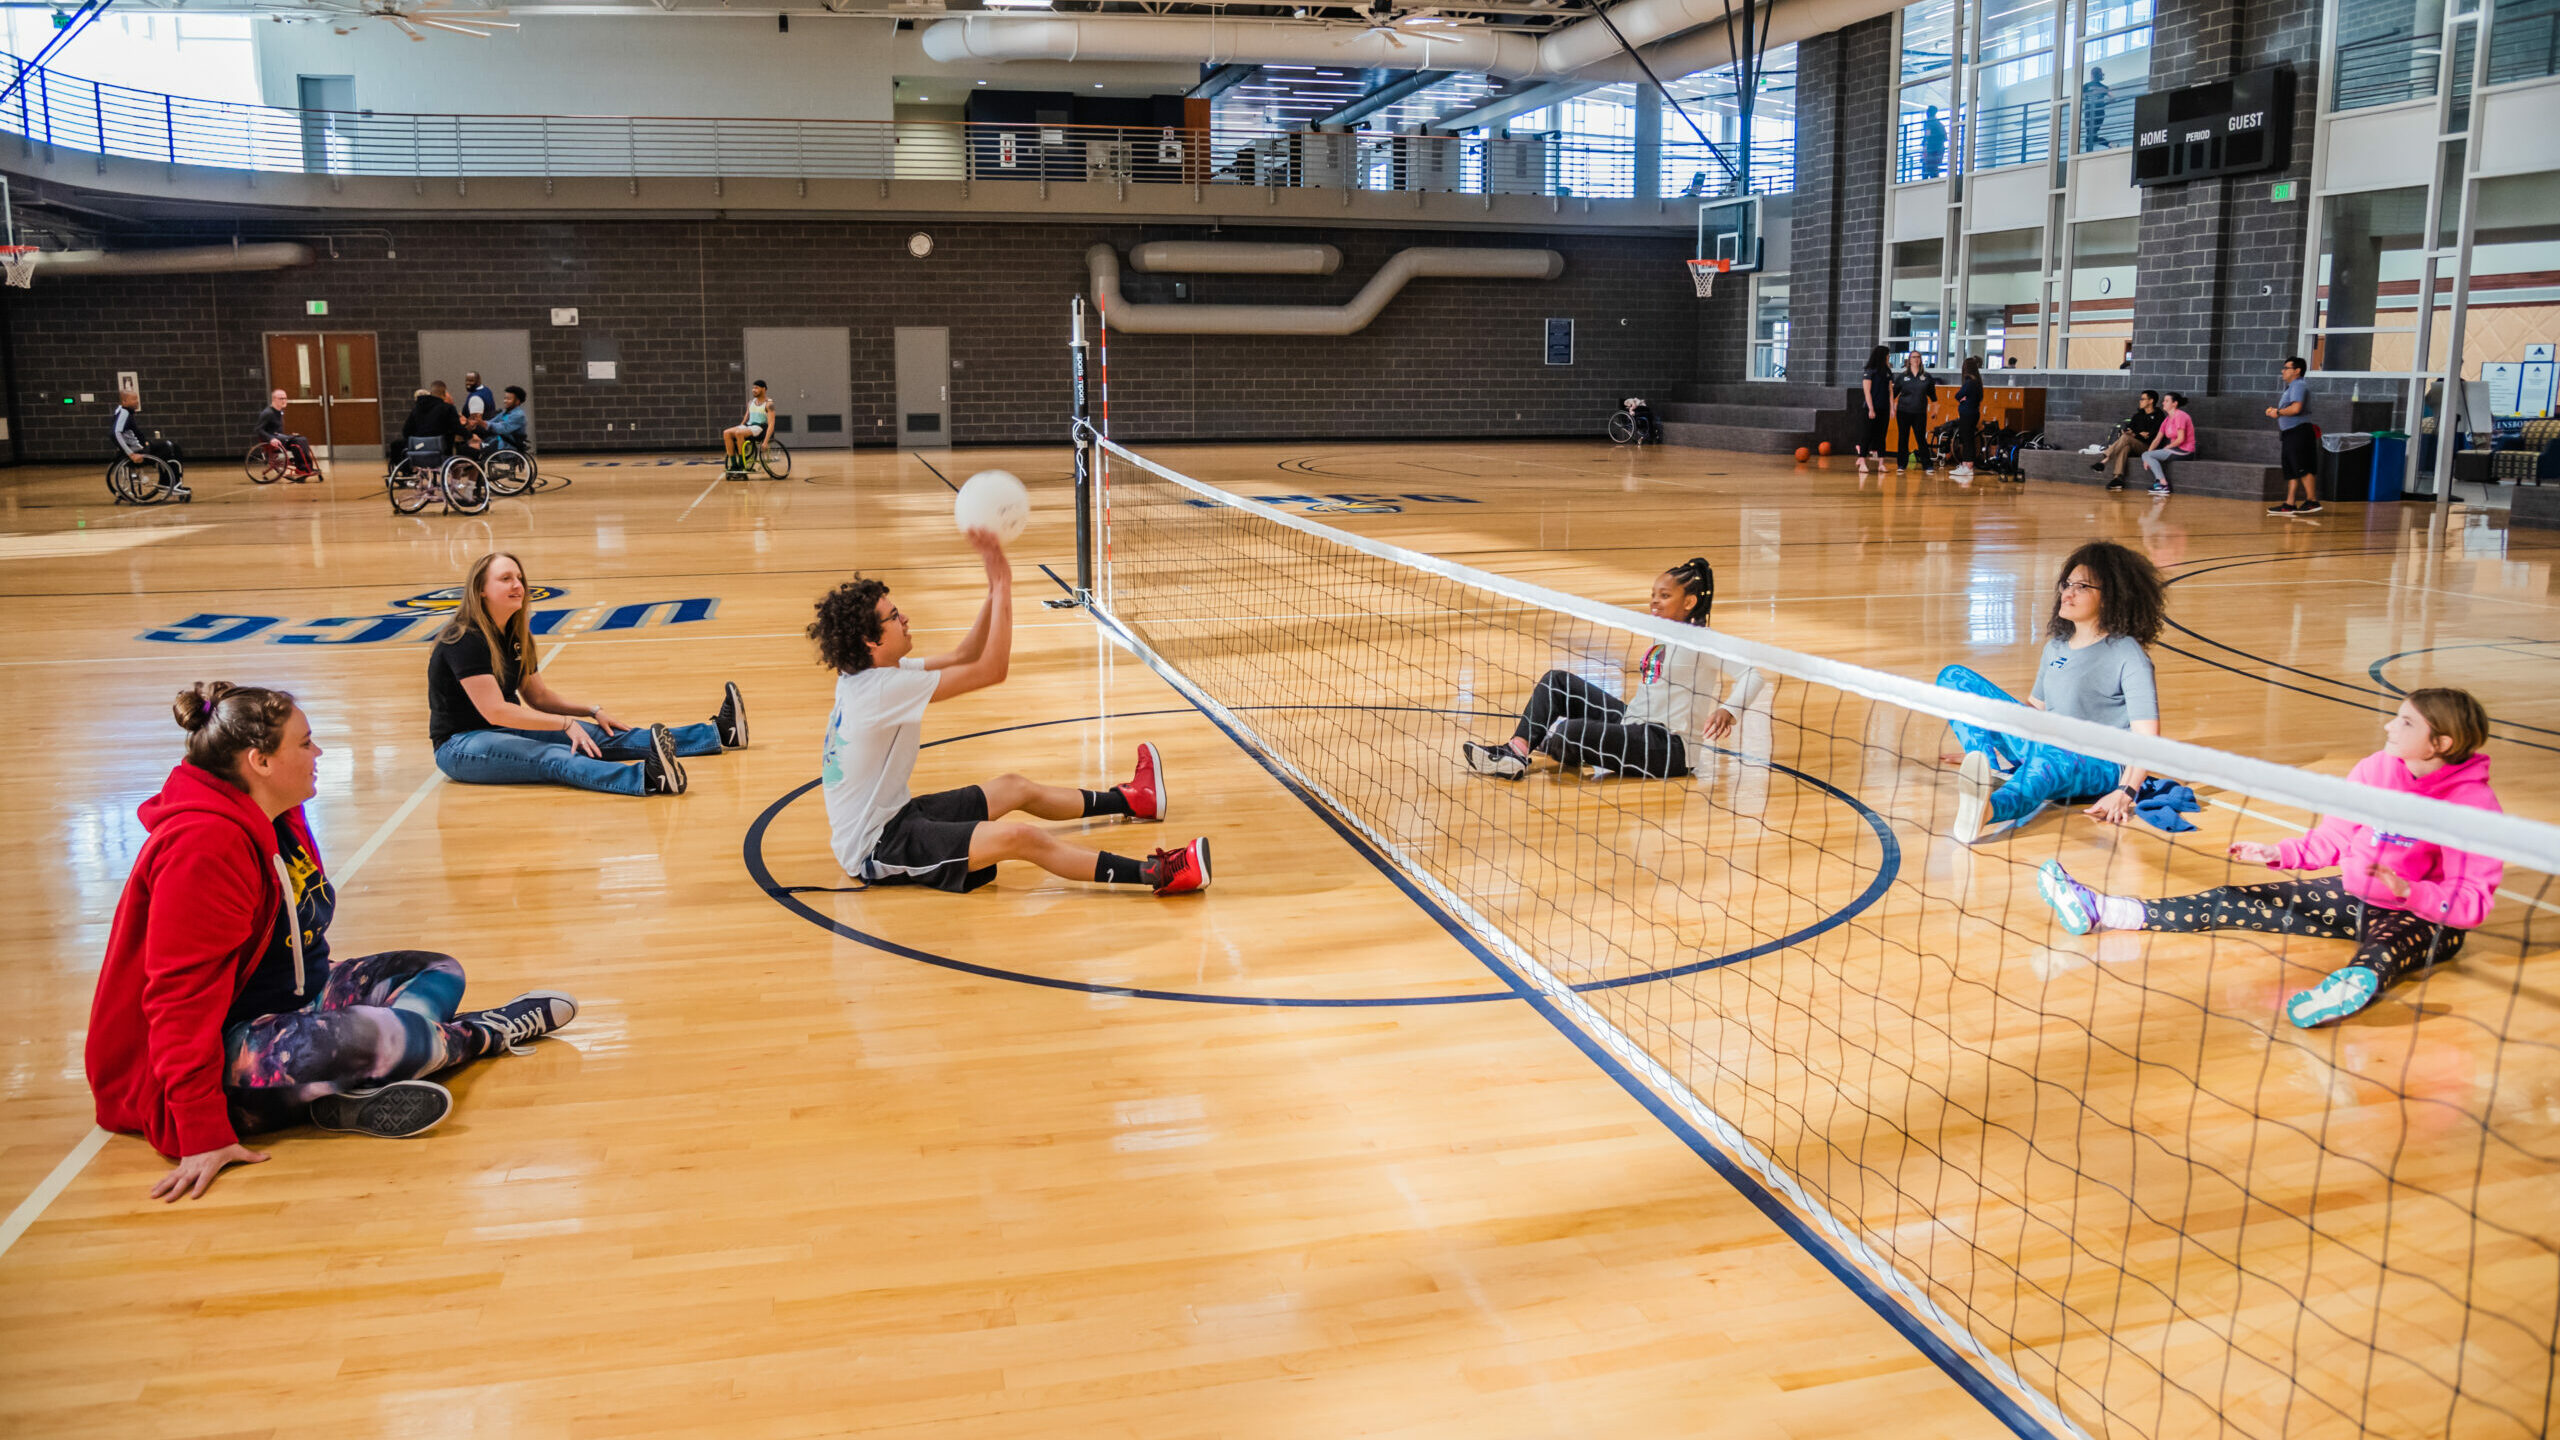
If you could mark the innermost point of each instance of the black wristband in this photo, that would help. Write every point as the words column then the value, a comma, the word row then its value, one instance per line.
column 2130, row 792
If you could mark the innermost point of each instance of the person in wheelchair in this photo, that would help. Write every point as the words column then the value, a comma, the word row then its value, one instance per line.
column 749, row 432
column 431, row 417
column 1634, row 421
column 132, row 446
column 506, row 428
column 297, row 449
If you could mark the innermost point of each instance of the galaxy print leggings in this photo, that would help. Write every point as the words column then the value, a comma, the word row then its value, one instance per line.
column 378, row 1018
column 2390, row 943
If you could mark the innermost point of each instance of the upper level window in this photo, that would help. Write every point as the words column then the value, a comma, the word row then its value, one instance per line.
column 2388, row 51
column 2013, row 113
column 2115, row 70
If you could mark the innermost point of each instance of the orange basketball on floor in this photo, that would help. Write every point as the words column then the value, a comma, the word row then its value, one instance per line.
column 1802, row 454
column 1824, row 447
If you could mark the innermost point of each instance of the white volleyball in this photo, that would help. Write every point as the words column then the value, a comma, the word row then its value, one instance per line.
column 992, row 500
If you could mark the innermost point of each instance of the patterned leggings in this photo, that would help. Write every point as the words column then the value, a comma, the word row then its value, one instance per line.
column 379, row 1018
column 2390, row 943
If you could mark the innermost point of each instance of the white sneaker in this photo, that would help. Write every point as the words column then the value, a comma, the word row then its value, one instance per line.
column 1976, row 783
column 1961, row 472
column 1499, row 761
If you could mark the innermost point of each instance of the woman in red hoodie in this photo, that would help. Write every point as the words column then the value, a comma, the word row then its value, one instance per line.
column 218, row 1012
column 2407, row 904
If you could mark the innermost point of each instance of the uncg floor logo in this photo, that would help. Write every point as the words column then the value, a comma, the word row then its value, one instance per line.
column 417, row 618
column 1369, row 504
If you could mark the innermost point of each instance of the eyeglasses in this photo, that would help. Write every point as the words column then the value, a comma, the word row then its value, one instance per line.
column 2076, row 587
column 894, row 615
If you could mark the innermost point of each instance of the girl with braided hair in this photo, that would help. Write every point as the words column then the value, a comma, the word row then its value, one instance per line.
column 1652, row 735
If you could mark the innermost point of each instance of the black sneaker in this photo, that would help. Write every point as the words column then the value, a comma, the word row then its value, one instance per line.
column 2115, row 484
column 731, row 722
column 2098, row 467
column 393, row 1112
column 2281, row 507
column 660, row 774
column 528, row 1017
column 2307, row 507
column 1499, row 761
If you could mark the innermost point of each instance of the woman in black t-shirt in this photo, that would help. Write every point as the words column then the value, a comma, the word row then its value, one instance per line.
column 1875, row 393
column 496, row 721
column 1913, row 389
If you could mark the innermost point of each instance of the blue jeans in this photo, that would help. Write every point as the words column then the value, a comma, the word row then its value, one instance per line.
column 543, row 757
column 2157, row 462
column 2037, row 772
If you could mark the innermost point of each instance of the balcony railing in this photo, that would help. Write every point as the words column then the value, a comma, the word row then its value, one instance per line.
column 2011, row 135
column 111, row 120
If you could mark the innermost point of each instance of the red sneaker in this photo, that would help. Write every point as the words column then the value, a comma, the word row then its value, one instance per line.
column 1178, row 872
column 1145, row 791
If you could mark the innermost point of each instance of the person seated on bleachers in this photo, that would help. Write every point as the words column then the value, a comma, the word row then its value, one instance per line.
column 2176, row 441
column 2134, row 435
column 296, row 449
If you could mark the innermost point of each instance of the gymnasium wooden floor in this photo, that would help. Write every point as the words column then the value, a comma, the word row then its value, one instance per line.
column 868, row 1174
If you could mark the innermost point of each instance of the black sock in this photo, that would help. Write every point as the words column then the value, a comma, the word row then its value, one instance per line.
column 1110, row 869
column 1105, row 802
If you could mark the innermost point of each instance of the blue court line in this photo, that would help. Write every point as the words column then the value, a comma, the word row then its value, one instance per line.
column 1889, row 867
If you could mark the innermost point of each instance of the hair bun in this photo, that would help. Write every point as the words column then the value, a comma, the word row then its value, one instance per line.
column 193, row 708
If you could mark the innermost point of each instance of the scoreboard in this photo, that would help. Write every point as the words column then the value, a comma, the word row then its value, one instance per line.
column 2231, row 127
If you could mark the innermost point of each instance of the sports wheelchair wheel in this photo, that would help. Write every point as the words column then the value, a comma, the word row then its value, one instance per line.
column 776, row 458
column 466, row 485
column 510, row 472
column 145, row 480
column 267, row 463
column 1623, row 429
column 410, row 488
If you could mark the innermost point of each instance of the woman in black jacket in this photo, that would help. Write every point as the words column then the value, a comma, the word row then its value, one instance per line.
column 1913, row 389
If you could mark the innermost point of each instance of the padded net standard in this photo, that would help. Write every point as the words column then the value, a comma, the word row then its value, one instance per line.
column 2104, row 1169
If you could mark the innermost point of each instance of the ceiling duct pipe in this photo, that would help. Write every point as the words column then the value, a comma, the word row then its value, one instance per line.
column 1583, row 50
column 1233, row 257
column 186, row 260
column 1420, row 262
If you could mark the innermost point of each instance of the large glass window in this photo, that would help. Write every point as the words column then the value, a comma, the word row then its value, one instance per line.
column 2013, row 113
column 2524, row 40
column 2098, row 314
column 2366, row 279
column 2387, row 51
column 1917, row 321
column 1924, row 129
column 2004, row 286
column 1769, row 328
column 2115, row 70
column 1708, row 98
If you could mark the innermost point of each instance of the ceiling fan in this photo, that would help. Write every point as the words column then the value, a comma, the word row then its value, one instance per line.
column 414, row 20
column 1398, row 26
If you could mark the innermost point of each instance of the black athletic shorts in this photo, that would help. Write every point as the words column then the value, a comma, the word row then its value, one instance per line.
column 927, row 843
column 2301, row 446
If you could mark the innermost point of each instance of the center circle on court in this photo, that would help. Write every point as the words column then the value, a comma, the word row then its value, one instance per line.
column 1889, row 865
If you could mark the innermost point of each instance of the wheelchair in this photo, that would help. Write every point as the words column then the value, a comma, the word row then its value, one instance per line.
column 271, row 460
column 426, row 473
column 1633, row 424
column 768, row 454
column 511, row 470
column 154, row 476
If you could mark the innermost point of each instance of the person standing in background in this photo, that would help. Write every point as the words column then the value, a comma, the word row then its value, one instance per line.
column 2299, row 441
column 1913, row 389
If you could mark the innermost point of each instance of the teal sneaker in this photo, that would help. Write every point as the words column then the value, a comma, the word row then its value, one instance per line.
column 2073, row 903
column 2345, row 992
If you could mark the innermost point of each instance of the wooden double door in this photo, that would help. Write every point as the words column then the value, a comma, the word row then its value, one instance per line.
column 333, row 386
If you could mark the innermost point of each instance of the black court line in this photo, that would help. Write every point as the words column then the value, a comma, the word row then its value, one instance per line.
column 2371, row 700
column 937, row 474
column 1889, row 867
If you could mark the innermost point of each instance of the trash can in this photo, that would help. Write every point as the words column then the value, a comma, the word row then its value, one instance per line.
column 2346, row 466
column 2390, row 463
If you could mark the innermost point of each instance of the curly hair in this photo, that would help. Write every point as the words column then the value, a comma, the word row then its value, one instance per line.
column 2131, row 599
column 848, row 625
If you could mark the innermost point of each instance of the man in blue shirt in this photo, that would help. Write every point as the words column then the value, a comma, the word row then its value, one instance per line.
column 2300, row 442
column 507, row 426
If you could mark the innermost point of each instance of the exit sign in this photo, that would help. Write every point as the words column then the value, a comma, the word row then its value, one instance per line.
column 2281, row 191
column 315, row 307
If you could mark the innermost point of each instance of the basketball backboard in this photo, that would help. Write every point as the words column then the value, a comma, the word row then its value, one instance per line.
column 1730, row 230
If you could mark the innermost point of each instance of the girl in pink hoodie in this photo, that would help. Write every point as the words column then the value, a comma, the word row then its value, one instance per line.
column 2407, row 904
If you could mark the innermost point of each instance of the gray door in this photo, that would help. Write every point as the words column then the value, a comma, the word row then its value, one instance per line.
column 328, row 106
column 924, row 387
column 502, row 358
column 809, row 374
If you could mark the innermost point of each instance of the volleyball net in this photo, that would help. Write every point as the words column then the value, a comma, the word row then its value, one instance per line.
column 2102, row 1170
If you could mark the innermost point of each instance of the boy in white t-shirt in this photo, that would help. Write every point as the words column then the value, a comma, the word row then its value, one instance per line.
column 950, row 840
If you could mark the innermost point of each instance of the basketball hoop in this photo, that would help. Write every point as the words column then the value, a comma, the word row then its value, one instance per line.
column 19, row 264
column 1704, row 272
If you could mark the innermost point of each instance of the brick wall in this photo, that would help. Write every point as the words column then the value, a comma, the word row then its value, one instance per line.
column 1836, row 269
column 670, row 297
